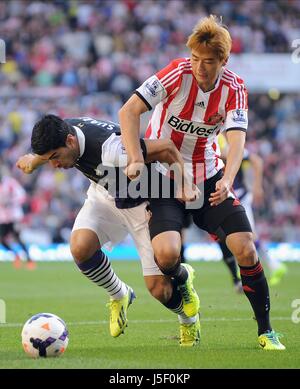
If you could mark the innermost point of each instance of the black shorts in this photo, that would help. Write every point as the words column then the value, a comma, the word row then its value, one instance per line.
column 188, row 220
column 6, row 229
column 221, row 220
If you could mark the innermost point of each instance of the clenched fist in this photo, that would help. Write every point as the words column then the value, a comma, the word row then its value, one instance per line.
column 26, row 163
column 134, row 169
column 188, row 193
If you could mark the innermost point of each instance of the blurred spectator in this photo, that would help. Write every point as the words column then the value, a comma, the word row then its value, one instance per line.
column 12, row 197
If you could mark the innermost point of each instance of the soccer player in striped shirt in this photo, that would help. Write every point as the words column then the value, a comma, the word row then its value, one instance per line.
column 194, row 99
column 12, row 198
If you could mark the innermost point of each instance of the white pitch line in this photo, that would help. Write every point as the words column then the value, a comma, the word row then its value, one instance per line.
column 89, row 323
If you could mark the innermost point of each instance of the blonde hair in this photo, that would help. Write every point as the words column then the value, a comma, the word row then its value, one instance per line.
column 213, row 34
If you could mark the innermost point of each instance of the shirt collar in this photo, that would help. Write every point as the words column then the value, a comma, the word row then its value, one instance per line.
column 216, row 83
column 81, row 140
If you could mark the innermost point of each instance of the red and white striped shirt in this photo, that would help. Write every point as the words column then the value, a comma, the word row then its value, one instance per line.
column 12, row 196
column 193, row 118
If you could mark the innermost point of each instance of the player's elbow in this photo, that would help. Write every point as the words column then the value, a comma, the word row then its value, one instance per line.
column 168, row 153
column 170, row 146
column 171, row 150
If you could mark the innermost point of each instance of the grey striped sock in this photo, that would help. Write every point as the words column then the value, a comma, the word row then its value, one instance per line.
column 98, row 269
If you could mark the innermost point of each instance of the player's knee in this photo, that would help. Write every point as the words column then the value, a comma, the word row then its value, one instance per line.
column 246, row 254
column 83, row 245
column 167, row 256
column 80, row 252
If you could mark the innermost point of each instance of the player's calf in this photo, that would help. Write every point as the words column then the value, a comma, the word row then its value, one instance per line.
column 160, row 287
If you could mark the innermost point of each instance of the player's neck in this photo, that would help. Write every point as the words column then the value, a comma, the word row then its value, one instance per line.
column 207, row 87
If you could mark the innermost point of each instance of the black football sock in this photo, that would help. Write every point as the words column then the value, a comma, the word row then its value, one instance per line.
column 5, row 245
column 178, row 272
column 175, row 305
column 256, row 289
column 24, row 248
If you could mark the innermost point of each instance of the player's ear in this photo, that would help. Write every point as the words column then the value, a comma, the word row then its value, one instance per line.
column 70, row 141
column 225, row 61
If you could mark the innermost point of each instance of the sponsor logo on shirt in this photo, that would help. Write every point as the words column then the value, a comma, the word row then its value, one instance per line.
column 193, row 128
column 200, row 104
column 239, row 116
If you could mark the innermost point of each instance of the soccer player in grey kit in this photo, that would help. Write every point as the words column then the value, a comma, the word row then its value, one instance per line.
column 94, row 147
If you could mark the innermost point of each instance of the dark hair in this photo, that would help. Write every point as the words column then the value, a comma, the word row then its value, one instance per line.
column 49, row 133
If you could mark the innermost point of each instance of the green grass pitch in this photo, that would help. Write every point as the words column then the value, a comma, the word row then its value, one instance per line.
column 229, row 338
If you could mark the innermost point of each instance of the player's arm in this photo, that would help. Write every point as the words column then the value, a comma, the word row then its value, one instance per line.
column 257, row 168
column 235, row 124
column 30, row 162
column 164, row 150
column 152, row 92
column 129, row 116
column 236, row 142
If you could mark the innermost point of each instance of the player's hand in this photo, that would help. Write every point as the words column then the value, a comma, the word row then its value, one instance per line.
column 134, row 169
column 188, row 193
column 221, row 193
column 25, row 163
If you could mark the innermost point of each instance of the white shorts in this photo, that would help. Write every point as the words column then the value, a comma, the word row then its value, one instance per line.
column 111, row 224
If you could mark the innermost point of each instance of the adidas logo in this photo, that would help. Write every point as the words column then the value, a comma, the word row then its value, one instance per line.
column 200, row 104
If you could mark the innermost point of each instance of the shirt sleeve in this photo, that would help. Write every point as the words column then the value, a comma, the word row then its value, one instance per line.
column 237, row 109
column 161, row 85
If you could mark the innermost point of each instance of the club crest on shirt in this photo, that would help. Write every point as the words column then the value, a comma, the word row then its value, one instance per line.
column 215, row 119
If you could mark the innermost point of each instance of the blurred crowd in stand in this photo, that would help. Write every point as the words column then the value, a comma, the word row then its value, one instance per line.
column 84, row 58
